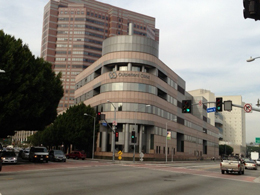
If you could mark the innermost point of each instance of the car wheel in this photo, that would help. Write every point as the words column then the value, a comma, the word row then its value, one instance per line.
column 239, row 172
column 76, row 158
column 64, row 160
column 243, row 172
column 222, row 172
column 67, row 157
column 46, row 161
column 83, row 158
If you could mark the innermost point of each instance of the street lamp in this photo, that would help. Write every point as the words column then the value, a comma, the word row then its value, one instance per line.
column 93, row 134
column 2, row 71
column 114, row 129
column 137, row 130
column 252, row 59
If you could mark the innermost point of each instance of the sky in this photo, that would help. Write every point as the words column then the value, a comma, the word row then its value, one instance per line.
column 205, row 42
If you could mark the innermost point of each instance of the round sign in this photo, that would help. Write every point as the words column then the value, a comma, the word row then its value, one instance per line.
column 248, row 108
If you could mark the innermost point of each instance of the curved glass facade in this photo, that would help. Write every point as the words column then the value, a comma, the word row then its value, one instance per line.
column 128, row 87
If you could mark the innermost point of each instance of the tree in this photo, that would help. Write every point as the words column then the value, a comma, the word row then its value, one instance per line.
column 30, row 90
column 71, row 127
column 225, row 150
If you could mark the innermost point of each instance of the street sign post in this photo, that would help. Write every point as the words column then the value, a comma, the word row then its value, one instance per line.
column 213, row 109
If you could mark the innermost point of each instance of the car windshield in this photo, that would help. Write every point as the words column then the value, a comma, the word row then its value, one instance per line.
column 5, row 154
column 58, row 152
column 40, row 150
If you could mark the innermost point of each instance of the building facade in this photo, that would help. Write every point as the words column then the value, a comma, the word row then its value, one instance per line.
column 231, row 125
column 140, row 94
column 73, row 31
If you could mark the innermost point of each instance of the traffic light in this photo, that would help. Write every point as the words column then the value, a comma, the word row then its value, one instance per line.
column 133, row 137
column 219, row 102
column 98, row 116
column 117, row 136
column 186, row 106
column 251, row 9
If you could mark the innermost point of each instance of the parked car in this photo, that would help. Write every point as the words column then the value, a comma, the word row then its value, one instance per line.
column 39, row 154
column 76, row 155
column 0, row 164
column 57, row 155
column 9, row 157
column 258, row 162
column 25, row 154
column 250, row 164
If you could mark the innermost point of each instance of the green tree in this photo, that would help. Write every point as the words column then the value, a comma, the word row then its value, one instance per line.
column 30, row 90
column 71, row 127
column 225, row 150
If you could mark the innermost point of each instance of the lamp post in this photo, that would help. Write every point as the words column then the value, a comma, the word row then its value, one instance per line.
column 114, row 129
column 137, row 130
column 252, row 59
column 93, row 134
column 166, row 151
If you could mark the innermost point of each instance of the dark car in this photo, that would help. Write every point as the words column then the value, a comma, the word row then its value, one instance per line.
column 39, row 154
column 57, row 155
column 76, row 155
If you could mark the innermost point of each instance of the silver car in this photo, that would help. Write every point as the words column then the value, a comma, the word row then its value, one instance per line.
column 25, row 154
column 9, row 157
column 250, row 164
column 57, row 155
column 258, row 162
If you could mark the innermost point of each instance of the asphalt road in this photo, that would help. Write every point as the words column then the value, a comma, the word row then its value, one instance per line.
column 104, row 177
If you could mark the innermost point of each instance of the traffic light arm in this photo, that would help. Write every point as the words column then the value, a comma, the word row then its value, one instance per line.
column 202, row 103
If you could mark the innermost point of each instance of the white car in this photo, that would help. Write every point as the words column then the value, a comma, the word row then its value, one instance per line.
column 250, row 165
column 258, row 162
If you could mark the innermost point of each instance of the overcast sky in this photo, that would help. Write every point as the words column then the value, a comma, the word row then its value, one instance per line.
column 205, row 42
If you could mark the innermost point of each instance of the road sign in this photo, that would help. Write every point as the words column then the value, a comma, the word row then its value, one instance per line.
column 257, row 140
column 104, row 124
column 248, row 108
column 213, row 109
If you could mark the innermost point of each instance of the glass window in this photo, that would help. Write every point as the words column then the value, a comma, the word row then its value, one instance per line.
column 123, row 68
column 117, row 86
column 142, row 87
column 136, row 68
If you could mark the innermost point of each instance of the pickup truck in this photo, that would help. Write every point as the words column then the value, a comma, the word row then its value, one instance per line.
column 232, row 164
column 39, row 154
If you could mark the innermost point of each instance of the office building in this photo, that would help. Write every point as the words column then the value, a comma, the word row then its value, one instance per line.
column 231, row 125
column 73, row 31
column 142, row 97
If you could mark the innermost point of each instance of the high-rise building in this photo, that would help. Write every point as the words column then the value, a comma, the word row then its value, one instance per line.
column 73, row 32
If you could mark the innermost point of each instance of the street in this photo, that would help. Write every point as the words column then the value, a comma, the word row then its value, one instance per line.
column 104, row 177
